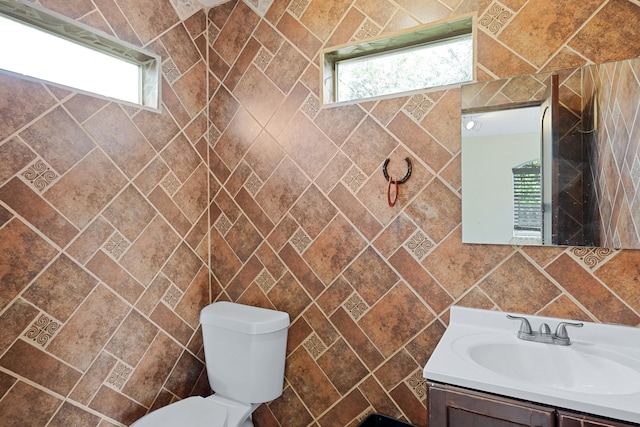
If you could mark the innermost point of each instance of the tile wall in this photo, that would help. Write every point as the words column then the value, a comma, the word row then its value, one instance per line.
column 118, row 224
column 104, row 233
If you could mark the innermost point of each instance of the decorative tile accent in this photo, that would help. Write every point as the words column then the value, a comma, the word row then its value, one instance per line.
column 418, row 106
column 591, row 257
column 185, row 8
column 119, row 375
column 253, row 184
column 172, row 296
column 314, row 346
column 213, row 136
column 311, row 106
column 355, row 306
column 263, row 59
column 171, row 184
column 300, row 240
column 42, row 329
column 367, row 30
column 495, row 18
column 170, row 70
column 354, row 179
column 265, row 281
column 116, row 246
column 130, row 110
column 417, row 384
column 419, row 245
column 39, row 175
column 297, row 7
column 223, row 225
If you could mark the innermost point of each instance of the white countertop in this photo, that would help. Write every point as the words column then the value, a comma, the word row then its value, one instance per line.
column 451, row 363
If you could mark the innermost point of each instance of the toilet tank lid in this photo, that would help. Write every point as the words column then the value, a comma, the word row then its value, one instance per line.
column 244, row 318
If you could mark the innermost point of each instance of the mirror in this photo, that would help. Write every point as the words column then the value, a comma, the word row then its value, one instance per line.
column 552, row 158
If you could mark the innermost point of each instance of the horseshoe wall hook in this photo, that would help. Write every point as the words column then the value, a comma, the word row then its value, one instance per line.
column 392, row 200
column 399, row 181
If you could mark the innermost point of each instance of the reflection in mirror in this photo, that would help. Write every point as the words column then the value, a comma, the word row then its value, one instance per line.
column 571, row 177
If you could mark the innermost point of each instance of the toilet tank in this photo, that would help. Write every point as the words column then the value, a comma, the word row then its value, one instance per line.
column 245, row 350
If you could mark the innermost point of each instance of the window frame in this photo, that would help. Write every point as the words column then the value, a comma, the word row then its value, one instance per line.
column 61, row 26
column 412, row 37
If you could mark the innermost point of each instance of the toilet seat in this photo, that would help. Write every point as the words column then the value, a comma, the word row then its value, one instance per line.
column 196, row 411
column 190, row 412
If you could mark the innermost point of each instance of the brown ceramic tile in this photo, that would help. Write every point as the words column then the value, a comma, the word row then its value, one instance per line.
column 243, row 238
column 152, row 371
column 349, row 407
column 243, row 62
column 147, row 254
column 158, row 128
column 303, row 370
column 186, row 372
column 58, row 140
column 236, row 32
column 313, row 211
column 150, row 18
column 429, row 290
column 120, row 139
column 26, row 254
column 132, row 338
column 395, row 370
column 258, row 94
column 192, row 196
column 70, row 415
column 370, row 276
column 195, row 298
column 351, row 207
column 293, row 30
column 182, row 267
column 60, row 288
column 237, row 139
column 17, row 195
column 116, row 406
column 369, row 146
column 281, row 190
column 289, row 296
column 82, row 337
column 15, row 320
column 38, row 413
column 288, row 409
column 181, row 49
column 334, row 249
column 254, row 212
column 342, row 366
column 171, row 323
column 296, row 265
column 154, row 293
column 459, row 266
column 348, row 27
column 498, row 59
column 31, row 362
column 437, row 210
column 115, row 277
column 223, row 263
column 390, row 313
column 14, row 156
column 130, row 213
column 28, row 101
column 286, row 67
column 533, row 292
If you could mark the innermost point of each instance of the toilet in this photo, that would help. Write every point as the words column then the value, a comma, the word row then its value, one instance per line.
column 244, row 349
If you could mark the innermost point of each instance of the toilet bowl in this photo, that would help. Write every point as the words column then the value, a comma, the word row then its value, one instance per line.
column 245, row 350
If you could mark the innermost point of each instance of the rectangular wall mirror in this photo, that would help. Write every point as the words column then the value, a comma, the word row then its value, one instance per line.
column 552, row 158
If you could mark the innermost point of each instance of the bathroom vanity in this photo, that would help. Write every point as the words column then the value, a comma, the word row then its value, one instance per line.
column 451, row 406
column 490, row 370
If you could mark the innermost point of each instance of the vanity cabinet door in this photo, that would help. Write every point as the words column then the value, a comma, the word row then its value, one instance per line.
column 449, row 406
column 569, row 419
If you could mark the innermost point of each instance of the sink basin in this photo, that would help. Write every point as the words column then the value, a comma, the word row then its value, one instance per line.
column 599, row 373
column 577, row 368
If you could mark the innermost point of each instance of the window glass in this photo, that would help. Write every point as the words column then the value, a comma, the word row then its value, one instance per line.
column 42, row 55
column 403, row 70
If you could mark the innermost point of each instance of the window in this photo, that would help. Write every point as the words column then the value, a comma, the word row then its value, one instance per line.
column 51, row 48
column 527, row 200
column 424, row 57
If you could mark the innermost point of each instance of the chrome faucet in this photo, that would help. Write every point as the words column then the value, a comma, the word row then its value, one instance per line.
column 543, row 334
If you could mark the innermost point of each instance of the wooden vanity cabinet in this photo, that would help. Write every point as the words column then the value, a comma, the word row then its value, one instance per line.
column 570, row 419
column 451, row 406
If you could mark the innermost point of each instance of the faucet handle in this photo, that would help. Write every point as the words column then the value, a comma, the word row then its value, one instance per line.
column 545, row 329
column 525, row 326
column 561, row 330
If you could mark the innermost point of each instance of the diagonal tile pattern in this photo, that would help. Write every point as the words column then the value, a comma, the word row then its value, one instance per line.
column 118, row 224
